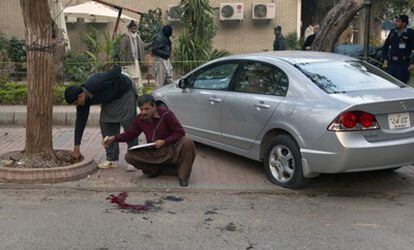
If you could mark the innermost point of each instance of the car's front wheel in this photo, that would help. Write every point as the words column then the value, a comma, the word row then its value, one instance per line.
column 283, row 163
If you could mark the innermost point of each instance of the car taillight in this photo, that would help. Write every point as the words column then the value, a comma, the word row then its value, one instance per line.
column 348, row 119
column 354, row 121
column 367, row 120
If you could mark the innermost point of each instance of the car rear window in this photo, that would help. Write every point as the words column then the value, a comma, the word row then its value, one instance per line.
column 344, row 76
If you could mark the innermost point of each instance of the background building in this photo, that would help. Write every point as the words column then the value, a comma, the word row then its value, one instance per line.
column 242, row 36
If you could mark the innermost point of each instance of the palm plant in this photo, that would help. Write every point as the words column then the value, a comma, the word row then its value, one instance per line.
column 108, row 49
column 195, row 44
column 111, row 47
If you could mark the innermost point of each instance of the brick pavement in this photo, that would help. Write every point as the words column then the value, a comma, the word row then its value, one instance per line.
column 213, row 169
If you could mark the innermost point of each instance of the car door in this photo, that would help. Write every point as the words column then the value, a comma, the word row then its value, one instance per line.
column 199, row 106
column 256, row 92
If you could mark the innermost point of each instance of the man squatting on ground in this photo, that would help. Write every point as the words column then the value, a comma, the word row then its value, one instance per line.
column 117, row 95
column 171, row 146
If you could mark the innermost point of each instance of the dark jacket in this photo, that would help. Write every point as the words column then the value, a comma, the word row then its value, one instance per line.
column 161, row 46
column 279, row 43
column 103, row 88
column 398, row 47
column 308, row 42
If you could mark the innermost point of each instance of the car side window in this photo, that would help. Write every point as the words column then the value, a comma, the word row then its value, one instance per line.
column 215, row 78
column 261, row 78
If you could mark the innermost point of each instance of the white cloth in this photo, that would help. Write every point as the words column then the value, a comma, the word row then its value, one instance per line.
column 134, row 70
column 308, row 31
column 134, row 44
column 163, row 71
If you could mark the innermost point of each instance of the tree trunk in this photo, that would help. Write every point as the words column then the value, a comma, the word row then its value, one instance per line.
column 41, row 42
column 335, row 22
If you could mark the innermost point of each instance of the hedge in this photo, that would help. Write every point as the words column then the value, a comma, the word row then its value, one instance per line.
column 16, row 94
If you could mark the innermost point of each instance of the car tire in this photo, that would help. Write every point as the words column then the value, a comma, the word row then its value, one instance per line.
column 283, row 163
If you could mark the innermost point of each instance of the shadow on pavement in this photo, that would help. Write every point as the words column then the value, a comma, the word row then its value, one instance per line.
column 238, row 168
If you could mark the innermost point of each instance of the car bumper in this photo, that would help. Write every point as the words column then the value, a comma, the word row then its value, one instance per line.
column 351, row 152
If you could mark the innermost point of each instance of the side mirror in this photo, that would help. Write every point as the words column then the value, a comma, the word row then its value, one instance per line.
column 183, row 83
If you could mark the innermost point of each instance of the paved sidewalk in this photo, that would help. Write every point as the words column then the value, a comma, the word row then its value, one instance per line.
column 213, row 170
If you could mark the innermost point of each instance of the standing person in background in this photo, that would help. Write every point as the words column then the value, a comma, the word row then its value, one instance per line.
column 132, row 53
column 279, row 43
column 309, row 31
column 309, row 40
column 397, row 49
column 161, row 49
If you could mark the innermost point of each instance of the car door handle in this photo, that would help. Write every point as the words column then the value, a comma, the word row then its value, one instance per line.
column 214, row 100
column 262, row 106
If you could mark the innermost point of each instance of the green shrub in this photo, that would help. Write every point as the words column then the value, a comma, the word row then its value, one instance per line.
column 195, row 45
column 13, row 93
column 12, row 56
column 17, row 55
column 149, row 25
column 4, row 59
column 293, row 42
column 17, row 52
column 16, row 94
column 77, row 67
column 58, row 95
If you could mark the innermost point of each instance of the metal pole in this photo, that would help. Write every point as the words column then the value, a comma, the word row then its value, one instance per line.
column 367, row 28
column 117, row 23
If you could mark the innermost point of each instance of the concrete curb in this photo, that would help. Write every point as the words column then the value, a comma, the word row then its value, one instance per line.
column 72, row 172
column 62, row 115
column 210, row 189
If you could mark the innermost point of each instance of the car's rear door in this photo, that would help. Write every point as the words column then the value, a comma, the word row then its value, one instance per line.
column 255, row 93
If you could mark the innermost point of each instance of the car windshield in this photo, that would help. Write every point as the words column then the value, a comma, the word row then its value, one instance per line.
column 350, row 75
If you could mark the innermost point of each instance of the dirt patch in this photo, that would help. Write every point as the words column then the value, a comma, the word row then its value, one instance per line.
column 20, row 160
column 173, row 198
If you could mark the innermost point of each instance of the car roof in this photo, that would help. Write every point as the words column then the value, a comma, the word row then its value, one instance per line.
column 292, row 57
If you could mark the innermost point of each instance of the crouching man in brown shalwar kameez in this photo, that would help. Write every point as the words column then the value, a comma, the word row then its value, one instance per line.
column 171, row 147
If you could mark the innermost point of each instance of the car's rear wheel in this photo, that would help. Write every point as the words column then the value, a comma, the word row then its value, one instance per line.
column 283, row 163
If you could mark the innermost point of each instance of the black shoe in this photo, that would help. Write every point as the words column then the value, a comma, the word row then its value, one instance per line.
column 183, row 183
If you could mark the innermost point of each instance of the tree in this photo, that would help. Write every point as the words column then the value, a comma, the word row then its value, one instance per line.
column 43, row 40
column 149, row 25
column 339, row 17
column 335, row 22
column 387, row 9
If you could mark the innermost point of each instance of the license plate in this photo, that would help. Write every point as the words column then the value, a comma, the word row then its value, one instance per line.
column 399, row 121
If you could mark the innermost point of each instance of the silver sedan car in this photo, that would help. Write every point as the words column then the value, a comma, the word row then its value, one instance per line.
column 300, row 113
